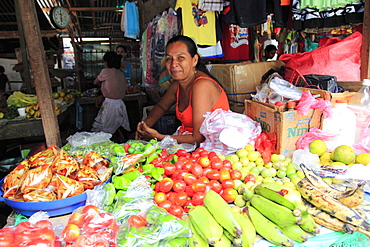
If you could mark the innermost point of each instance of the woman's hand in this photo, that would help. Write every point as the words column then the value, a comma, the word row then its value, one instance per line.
column 99, row 100
column 143, row 132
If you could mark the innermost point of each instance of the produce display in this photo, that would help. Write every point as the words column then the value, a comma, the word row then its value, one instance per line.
column 199, row 198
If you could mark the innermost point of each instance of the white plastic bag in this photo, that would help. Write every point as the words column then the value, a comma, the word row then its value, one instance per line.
column 227, row 131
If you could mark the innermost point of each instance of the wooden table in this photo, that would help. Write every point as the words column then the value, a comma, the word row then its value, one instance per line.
column 32, row 127
column 134, row 105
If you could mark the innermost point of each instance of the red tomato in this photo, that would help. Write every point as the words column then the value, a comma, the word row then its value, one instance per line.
column 212, row 155
column 181, row 153
column 172, row 197
column 6, row 237
column 156, row 187
column 198, row 186
column 178, row 185
column 236, row 175
column 187, row 206
column 215, row 186
column 190, row 178
column 189, row 190
column 160, row 197
column 195, row 155
column 182, row 159
column 187, row 166
column 227, row 183
column 76, row 218
column 89, row 212
column 204, row 161
column 216, row 163
column 204, row 179
column 181, row 174
column 70, row 233
column 181, row 198
column 197, row 199
column 169, row 168
column 204, row 153
column 24, row 226
column 250, row 177
column 213, row 175
column 46, row 233
column 193, row 159
column 166, row 204
column 165, row 185
column 227, row 164
column 137, row 221
column 178, row 164
column 229, row 194
column 199, row 150
column 224, row 174
column 206, row 170
column 176, row 211
column 44, row 224
column 40, row 242
column 197, row 170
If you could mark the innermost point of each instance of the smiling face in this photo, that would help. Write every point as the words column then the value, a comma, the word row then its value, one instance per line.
column 179, row 62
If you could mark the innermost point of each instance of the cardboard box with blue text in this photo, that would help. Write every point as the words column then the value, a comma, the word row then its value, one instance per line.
column 284, row 127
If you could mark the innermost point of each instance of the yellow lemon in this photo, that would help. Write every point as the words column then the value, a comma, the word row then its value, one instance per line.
column 318, row 147
column 254, row 155
column 363, row 158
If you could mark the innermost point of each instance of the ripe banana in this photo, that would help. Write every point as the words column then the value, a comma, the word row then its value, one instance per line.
column 248, row 236
column 280, row 194
column 330, row 205
column 280, row 215
column 266, row 228
column 195, row 240
column 356, row 198
column 295, row 233
column 224, row 242
column 222, row 213
column 320, row 184
column 205, row 224
column 308, row 224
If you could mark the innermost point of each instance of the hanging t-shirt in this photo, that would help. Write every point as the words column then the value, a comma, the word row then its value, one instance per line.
column 197, row 23
column 235, row 43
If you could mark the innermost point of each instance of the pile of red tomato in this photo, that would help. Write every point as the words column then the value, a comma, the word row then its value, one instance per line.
column 187, row 180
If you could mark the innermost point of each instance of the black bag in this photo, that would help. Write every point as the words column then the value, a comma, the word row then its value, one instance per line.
column 324, row 82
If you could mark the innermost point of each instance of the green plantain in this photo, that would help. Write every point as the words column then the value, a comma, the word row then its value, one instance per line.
column 280, row 215
column 248, row 236
column 195, row 240
column 308, row 224
column 295, row 233
column 266, row 228
column 224, row 242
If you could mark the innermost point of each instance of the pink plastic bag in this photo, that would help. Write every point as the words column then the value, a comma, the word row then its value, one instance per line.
column 307, row 102
column 313, row 134
column 329, row 59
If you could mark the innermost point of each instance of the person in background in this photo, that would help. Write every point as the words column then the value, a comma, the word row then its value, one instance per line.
column 125, row 66
column 112, row 114
column 4, row 80
column 193, row 89
column 270, row 51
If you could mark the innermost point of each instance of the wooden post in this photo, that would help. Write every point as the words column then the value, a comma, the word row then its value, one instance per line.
column 365, row 55
column 37, row 59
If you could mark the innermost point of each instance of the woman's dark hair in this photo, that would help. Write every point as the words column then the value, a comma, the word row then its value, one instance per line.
column 123, row 47
column 2, row 69
column 113, row 59
column 193, row 50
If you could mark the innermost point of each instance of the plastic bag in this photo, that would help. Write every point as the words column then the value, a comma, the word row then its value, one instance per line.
column 265, row 146
column 304, row 156
column 307, row 102
column 324, row 82
column 227, row 131
column 83, row 142
column 331, row 58
column 171, row 145
column 312, row 134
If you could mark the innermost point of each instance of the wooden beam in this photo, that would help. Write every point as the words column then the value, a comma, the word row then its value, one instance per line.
column 37, row 58
column 365, row 55
column 15, row 34
column 92, row 3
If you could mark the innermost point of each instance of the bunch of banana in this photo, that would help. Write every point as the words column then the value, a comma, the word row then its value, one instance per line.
column 33, row 111
column 333, row 209
column 279, row 215
column 217, row 224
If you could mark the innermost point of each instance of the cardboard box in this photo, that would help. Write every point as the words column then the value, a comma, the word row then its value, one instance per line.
column 282, row 127
column 241, row 79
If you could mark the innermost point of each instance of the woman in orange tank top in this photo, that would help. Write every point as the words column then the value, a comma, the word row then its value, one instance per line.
column 194, row 91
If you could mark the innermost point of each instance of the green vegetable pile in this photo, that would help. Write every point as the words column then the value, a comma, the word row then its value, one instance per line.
column 11, row 112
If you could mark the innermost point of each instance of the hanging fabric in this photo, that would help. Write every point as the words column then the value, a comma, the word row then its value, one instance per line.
column 131, row 18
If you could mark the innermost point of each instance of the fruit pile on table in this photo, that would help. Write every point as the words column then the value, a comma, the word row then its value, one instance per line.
column 199, row 198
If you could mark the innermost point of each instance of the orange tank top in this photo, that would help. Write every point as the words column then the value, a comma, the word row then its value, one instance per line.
column 186, row 116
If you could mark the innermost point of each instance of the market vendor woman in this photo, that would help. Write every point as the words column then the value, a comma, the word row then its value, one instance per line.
column 194, row 91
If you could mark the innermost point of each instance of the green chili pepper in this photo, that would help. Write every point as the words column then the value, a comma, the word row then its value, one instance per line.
column 153, row 140
column 151, row 158
column 158, row 152
column 149, row 149
column 120, row 182
column 147, row 168
column 157, row 173
column 174, row 159
column 120, row 193
column 132, row 175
